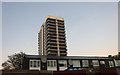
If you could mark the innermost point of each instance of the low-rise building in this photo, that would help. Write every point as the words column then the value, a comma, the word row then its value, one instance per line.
column 60, row 63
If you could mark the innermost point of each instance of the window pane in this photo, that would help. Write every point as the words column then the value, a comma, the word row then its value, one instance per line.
column 117, row 62
column 31, row 64
column 95, row 63
column 34, row 63
column 48, row 63
column 111, row 64
column 102, row 63
column 51, row 65
column 62, row 64
column 55, row 63
column 85, row 63
column 38, row 63
column 76, row 63
column 51, row 62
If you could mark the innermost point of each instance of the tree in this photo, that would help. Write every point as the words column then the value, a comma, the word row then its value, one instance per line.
column 14, row 61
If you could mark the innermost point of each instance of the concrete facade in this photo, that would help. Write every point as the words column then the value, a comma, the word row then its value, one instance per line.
column 51, row 38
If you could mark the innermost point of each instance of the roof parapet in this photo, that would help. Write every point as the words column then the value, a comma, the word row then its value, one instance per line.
column 54, row 17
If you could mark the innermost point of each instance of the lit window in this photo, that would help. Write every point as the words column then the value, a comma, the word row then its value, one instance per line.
column 85, row 63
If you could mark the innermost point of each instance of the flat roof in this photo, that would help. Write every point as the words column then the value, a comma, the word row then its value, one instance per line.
column 65, row 57
column 54, row 17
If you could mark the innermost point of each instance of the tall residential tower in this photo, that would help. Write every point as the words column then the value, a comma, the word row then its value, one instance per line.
column 51, row 38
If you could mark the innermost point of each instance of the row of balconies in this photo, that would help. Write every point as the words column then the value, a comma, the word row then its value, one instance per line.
column 56, row 46
column 50, row 28
column 54, row 23
column 54, row 27
column 56, row 49
column 54, row 43
column 56, row 54
column 55, row 38
column 54, row 20
column 55, row 34
column 51, row 19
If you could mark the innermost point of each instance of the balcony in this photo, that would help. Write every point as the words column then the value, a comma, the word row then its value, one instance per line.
column 51, row 49
column 63, row 50
column 52, row 46
column 51, row 53
column 62, row 43
column 62, row 38
column 51, row 38
column 54, row 41
column 54, row 27
column 61, row 31
column 60, row 20
column 51, row 24
column 51, row 33
column 51, row 29
column 48, row 36
column 60, row 23
column 62, row 47
column 50, row 21
column 61, row 27
column 61, row 34
column 51, row 41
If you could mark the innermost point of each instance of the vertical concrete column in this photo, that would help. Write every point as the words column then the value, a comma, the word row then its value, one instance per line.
column 58, row 50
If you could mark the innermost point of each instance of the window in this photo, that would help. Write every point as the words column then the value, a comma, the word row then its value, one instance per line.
column 117, row 62
column 85, row 63
column 62, row 64
column 38, row 63
column 102, row 63
column 76, row 63
column 51, row 65
column 34, row 64
column 31, row 63
column 95, row 63
column 111, row 64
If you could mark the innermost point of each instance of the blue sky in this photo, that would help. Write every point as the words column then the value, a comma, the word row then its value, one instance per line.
column 91, row 27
